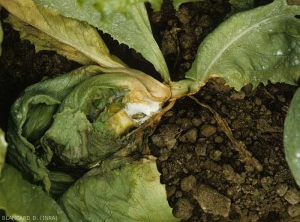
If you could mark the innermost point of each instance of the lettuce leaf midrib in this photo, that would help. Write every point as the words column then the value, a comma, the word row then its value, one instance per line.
column 235, row 39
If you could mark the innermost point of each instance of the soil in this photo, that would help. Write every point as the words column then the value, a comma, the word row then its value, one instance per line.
column 203, row 165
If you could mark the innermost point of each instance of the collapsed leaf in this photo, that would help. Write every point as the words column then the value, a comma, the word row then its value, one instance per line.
column 132, row 192
column 81, row 118
column 31, row 116
column 21, row 199
column 252, row 47
column 133, row 30
column 96, row 116
column 51, row 31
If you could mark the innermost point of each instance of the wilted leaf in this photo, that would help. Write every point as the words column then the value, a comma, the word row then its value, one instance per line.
column 80, row 118
column 252, row 47
column 132, row 192
column 132, row 29
column 31, row 116
column 93, row 120
column 49, row 30
column 20, row 198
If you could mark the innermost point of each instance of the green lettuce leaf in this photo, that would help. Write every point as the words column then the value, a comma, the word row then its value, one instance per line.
column 20, row 199
column 50, row 31
column 31, row 116
column 252, row 47
column 132, row 29
column 3, row 148
column 292, row 136
column 132, row 192
column 109, row 8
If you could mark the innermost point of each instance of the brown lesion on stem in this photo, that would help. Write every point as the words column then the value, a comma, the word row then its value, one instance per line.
column 245, row 155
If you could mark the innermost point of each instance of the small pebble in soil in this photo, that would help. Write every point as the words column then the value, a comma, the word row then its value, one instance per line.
column 266, row 182
column 186, row 123
column 294, row 210
column 196, row 121
column 211, row 201
column 208, row 130
column 201, row 149
column 183, row 209
column 170, row 190
column 190, row 136
column 281, row 189
column 164, row 141
column 188, row 183
column 237, row 95
column 292, row 196
column 218, row 139
column 216, row 155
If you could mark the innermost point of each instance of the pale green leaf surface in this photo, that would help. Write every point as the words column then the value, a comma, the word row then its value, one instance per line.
column 20, row 198
column 130, row 193
column 78, row 37
column 132, row 29
column 292, row 136
column 41, row 102
column 252, row 47
column 177, row 3
column 109, row 8
column 3, row 148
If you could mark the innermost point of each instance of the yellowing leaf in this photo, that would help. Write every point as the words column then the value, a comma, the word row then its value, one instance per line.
column 132, row 29
column 70, row 37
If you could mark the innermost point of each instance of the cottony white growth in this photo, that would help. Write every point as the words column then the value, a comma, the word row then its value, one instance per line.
column 148, row 108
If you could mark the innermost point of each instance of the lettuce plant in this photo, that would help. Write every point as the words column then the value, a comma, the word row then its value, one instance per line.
column 94, row 121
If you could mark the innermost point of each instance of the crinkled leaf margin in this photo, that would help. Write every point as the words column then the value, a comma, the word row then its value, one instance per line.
column 132, row 29
column 47, row 29
column 252, row 47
